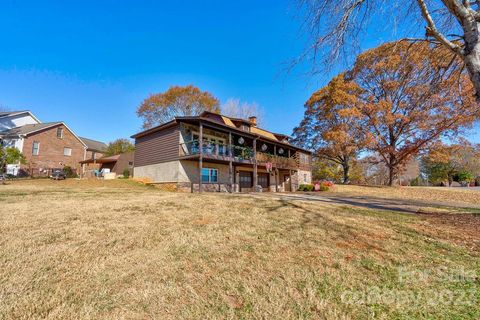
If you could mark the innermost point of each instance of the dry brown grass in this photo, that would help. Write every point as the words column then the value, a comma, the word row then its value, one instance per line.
column 452, row 195
column 75, row 250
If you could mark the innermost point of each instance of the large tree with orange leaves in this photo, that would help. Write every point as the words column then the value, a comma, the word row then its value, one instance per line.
column 412, row 95
column 326, row 128
column 176, row 101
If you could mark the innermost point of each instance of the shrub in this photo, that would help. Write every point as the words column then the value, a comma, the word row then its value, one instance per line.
column 306, row 187
column 328, row 184
column 465, row 177
column 126, row 173
column 69, row 172
column 323, row 185
column 415, row 182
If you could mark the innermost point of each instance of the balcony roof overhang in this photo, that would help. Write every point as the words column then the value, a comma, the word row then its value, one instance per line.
column 213, row 124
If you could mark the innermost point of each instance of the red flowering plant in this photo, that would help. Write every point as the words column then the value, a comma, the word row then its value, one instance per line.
column 323, row 185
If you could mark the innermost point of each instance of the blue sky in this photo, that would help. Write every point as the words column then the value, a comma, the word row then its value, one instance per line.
column 91, row 63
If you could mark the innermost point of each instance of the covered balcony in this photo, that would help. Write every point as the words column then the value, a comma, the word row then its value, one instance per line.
column 217, row 151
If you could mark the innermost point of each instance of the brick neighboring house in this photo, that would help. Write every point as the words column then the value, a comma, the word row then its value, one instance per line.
column 95, row 150
column 46, row 146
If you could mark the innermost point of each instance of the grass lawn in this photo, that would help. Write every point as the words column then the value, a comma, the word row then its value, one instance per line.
column 90, row 250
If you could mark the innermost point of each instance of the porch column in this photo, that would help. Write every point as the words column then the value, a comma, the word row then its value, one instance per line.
column 275, row 169
column 200, row 160
column 278, row 178
column 255, row 168
column 230, row 163
column 289, row 172
column 290, row 180
column 237, row 178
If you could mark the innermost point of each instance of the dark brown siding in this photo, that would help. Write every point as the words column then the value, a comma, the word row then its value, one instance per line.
column 157, row 147
column 123, row 163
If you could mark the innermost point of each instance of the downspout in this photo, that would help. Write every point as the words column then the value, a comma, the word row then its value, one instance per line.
column 84, row 158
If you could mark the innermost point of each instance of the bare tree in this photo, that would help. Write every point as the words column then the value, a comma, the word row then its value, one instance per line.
column 338, row 25
column 237, row 109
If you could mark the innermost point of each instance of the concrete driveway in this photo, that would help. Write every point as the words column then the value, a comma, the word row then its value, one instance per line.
column 369, row 202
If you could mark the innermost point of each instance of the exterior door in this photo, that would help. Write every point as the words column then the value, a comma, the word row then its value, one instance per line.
column 286, row 182
column 263, row 181
column 246, row 180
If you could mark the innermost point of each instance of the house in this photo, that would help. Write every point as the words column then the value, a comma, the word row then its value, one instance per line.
column 234, row 156
column 116, row 163
column 46, row 146
column 13, row 119
column 95, row 150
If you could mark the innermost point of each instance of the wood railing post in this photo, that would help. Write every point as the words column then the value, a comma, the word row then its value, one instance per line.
column 290, row 180
column 200, row 159
column 255, row 166
column 230, row 163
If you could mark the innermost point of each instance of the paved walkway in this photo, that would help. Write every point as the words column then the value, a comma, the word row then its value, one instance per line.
column 370, row 202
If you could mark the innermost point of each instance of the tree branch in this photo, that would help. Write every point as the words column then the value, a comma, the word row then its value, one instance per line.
column 434, row 32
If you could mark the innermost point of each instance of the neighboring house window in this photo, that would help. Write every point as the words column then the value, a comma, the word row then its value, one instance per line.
column 67, row 152
column 94, row 155
column 60, row 133
column 305, row 177
column 35, row 148
column 8, row 143
column 209, row 175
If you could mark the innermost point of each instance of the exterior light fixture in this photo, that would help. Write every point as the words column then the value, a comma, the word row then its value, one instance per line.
column 281, row 151
column 241, row 140
column 264, row 147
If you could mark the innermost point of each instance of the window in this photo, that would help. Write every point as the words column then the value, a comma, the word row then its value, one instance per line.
column 94, row 155
column 60, row 133
column 35, row 148
column 304, row 158
column 67, row 152
column 245, row 128
column 209, row 175
column 211, row 144
column 8, row 143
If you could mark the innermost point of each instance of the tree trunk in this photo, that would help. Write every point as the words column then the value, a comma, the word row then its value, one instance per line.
column 346, row 173
column 391, row 176
column 471, row 52
column 472, row 63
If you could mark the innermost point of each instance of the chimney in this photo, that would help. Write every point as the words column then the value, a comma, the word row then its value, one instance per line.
column 253, row 121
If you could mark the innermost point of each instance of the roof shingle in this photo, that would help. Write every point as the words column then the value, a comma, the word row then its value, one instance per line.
column 94, row 145
column 28, row 128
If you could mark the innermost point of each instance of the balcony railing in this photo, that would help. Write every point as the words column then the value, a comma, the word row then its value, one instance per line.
column 276, row 161
column 242, row 153
column 216, row 150
column 238, row 153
